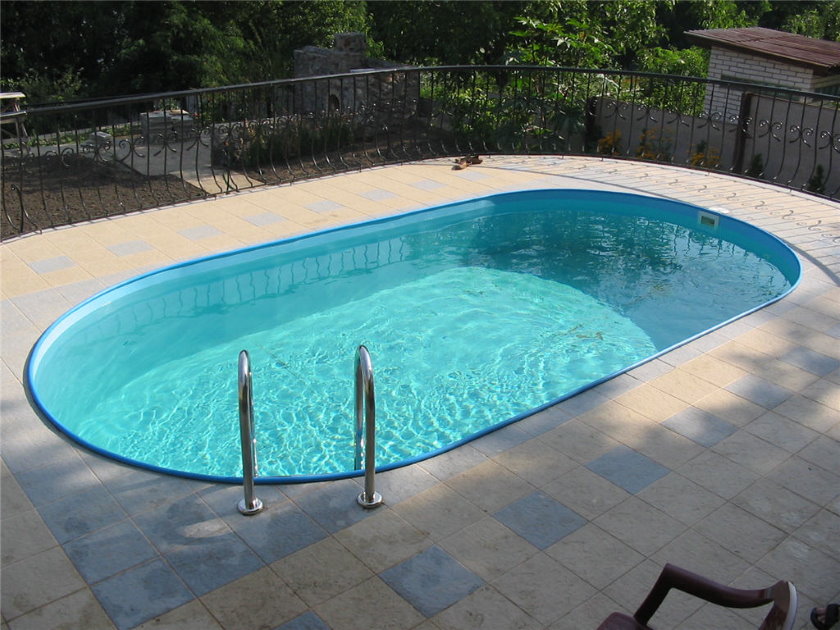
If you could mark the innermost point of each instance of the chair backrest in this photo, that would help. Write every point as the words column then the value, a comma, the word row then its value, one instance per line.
column 783, row 595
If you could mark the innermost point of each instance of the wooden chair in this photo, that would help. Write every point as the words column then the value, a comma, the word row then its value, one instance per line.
column 780, row 617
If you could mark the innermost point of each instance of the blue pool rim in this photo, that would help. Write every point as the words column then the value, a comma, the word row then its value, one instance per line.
column 684, row 208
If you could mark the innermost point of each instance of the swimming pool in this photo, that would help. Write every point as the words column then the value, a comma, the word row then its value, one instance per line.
column 476, row 314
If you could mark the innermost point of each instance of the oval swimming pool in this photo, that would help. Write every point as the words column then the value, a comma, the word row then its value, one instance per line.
column 476, row 314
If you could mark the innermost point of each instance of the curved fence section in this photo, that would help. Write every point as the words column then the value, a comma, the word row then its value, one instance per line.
column 75, row 162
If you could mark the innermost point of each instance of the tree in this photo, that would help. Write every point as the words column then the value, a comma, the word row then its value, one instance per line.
column 447, row 31
column 128, row 47
column 589, row 34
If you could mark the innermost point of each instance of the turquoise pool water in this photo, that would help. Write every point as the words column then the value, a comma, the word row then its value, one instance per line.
column 475, row 314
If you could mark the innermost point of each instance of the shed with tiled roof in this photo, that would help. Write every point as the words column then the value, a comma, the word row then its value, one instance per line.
column 768, row 57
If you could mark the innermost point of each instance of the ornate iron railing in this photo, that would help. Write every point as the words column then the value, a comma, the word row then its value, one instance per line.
column 68, row 163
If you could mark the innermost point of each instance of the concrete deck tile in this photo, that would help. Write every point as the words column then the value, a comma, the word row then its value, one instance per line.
column 400, row 484
column 140, row 490
column 141, row 593
column 488, row 548
column 384, row 540
column 825, row 392
column 730, row 407
column 108, row 551
column 307, row 621
column 490, row 486
column 501, row 440
column 594, row 555
column 681, row 498
column 808, row 413
column 190, row 616
column 180, row 524
column 710, row 616
column 77, row 610
column 718, row 474
column 585, row 492
column 778, row 430
column 579, row 441
column 543, row 588
column 813, row 571
column 760, row 391
column 432, row 580
column 485, row 609
column 751, row 452
column 80, row 513
column 776, row 504
column 263, row 534
column 806, row 479
column 321, row 571
column 333, row 506
column 439, row 511
column 640, row 525
column 652, row 403
column 40, row 485
column 628, row 469
column 822, row 531
column 744, row 534
column 713, row 370
column 540, row 519
column 259, row 600
column 23, row 535
column 597, row 607
column 700, row 553
column 49, row 265
column 536, row 462
column 700, row 426
column 213, row 561
column 351, row 609
column 684, row 385
column 785, row 374
column 36, row 581
column 823, row 453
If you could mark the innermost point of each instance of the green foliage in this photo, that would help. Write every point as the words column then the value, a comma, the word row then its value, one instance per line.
column 272, row 144
column 756, row 167
column 432, row 32
column 691, row 62
column 529, row 112
column 128, row 47
column 54, row 86
column 572, row 43
column 588, row 34
column 816, row 183
column 821, row 21
column 62, row 50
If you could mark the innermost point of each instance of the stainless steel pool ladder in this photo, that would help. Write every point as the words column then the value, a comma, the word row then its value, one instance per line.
column 366, row 415
column 250, row 504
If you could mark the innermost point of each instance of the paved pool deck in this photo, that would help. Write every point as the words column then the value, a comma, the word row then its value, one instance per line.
column 732, row 442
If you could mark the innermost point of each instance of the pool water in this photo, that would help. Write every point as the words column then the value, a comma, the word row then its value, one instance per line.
column 475, row 314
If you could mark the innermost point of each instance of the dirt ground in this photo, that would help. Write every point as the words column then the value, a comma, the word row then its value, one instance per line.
column 49, row 191
column 53, row 190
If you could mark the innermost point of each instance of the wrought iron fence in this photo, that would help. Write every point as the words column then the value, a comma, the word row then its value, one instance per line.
column 68, row 163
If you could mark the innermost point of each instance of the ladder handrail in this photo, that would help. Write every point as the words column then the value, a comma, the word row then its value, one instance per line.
column 250, row 504
column 366, row 415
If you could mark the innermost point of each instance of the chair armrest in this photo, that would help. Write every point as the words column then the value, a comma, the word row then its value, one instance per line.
column 699, row 586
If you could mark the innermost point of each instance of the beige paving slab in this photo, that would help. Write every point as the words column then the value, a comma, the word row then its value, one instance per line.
column 322, row 571
column 261, row 599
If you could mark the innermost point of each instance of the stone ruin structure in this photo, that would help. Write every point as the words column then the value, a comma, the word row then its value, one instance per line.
column 398, row 91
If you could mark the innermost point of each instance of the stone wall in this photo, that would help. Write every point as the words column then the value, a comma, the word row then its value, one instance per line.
column 397, row 91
